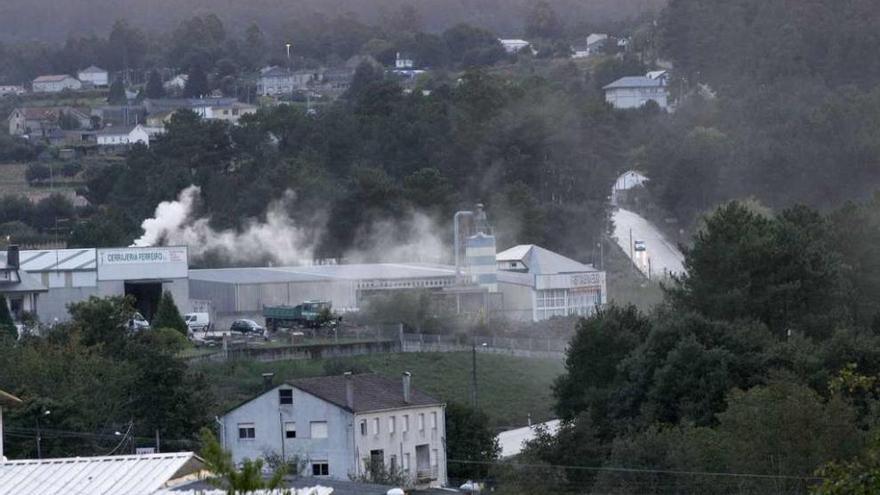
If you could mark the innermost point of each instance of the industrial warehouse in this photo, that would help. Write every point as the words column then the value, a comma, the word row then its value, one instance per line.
column 66, row 276
column 525, row 282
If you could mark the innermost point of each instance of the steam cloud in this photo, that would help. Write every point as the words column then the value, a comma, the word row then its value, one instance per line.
column 280, row 239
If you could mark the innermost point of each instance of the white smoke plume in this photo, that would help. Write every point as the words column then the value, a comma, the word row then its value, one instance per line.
column 415, row 239
column 278, row 238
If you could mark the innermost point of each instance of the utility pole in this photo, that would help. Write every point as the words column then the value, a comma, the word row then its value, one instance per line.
column 157, row 441
column 474, row 372
column 281, row 423
column 631, row 255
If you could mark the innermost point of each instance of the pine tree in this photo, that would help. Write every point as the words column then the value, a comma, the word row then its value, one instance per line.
column 197, row 83
column 7, row 326
column 117, row 93
column 154, row 88
column 168, row 316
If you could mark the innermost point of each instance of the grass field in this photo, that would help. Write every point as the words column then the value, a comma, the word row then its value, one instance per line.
column 510, row 388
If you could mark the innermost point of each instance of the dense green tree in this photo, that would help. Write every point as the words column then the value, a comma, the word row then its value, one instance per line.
column 168, row 316
column 597, row 349
column 196, row 83
column 543, row 22
column 154, row 87
column 469, row 439
column 117, row 93
column 126, row 45
column 102, row 321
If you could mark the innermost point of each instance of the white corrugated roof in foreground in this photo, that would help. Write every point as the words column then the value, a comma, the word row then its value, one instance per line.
column 111, row 475
column 513, row 441
column 315, row 490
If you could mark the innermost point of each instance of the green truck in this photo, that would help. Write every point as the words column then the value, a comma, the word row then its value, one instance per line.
column 309, row 314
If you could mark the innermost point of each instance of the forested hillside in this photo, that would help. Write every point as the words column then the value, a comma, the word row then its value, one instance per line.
column 27, row 19
column 779, row 100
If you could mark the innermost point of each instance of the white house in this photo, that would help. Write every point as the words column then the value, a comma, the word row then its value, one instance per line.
column 339, row 426
column 636, row 91
column 56, row 83
column 513, row 45
column 11, row 90
column 593, row 45
column 539, row 284
column 278, row 81
column 126, row 135
column 403, row 62
column 95, row 76
column 595, row 42
column 7, row 400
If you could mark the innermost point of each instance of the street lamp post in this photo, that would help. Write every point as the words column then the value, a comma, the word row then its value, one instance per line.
column 288, row 45
column 39, row 435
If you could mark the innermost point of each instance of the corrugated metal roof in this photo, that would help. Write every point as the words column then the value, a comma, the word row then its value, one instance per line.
column 45, row 260
column 540, row 261
column 636, row 82
column 112, row 475
column 354, row 272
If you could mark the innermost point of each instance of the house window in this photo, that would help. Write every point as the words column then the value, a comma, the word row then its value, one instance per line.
column 318, row 429
column 421, row 421
column 320, row 469
column 406, row 461
column 434, row 420
column 247, row 431
column 406, row 422
column 290, row 429
column 434, row 457
column 285, row 396
column 391, row 424
column 376, row 426
column 363, row 427
column 393, row 464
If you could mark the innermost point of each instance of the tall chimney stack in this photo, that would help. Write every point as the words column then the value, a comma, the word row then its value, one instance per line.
column 12, row 257
column 407, row 383
column 349, row 390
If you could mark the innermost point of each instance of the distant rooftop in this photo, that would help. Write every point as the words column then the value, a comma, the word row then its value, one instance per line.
column 636, row 82
column 542, row 261
column 371, row 392
column 53, row 78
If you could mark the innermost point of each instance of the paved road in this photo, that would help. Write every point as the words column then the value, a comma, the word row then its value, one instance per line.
column 661, row 256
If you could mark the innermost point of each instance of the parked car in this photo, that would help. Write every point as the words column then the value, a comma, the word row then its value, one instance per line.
column 640, row 246
column 247, row 327
column 138, row 323
column 198, row 322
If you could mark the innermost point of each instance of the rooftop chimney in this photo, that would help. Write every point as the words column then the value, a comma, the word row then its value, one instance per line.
column 349, row 390
column 267, row 380
column 12, row 259
column 407, row 382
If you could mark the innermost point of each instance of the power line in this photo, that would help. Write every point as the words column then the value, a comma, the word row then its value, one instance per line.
column 641, row 470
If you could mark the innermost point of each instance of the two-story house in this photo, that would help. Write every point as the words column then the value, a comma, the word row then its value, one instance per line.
column 341, row 425
column 636, row 91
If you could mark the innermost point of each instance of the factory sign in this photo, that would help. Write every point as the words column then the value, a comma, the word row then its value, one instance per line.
column 142, row 263
column 143, row 256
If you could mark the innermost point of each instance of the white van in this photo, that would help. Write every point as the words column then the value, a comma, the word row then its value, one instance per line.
column 198, row 322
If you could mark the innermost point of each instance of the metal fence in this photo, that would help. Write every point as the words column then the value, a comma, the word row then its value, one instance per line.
column 523, row 347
